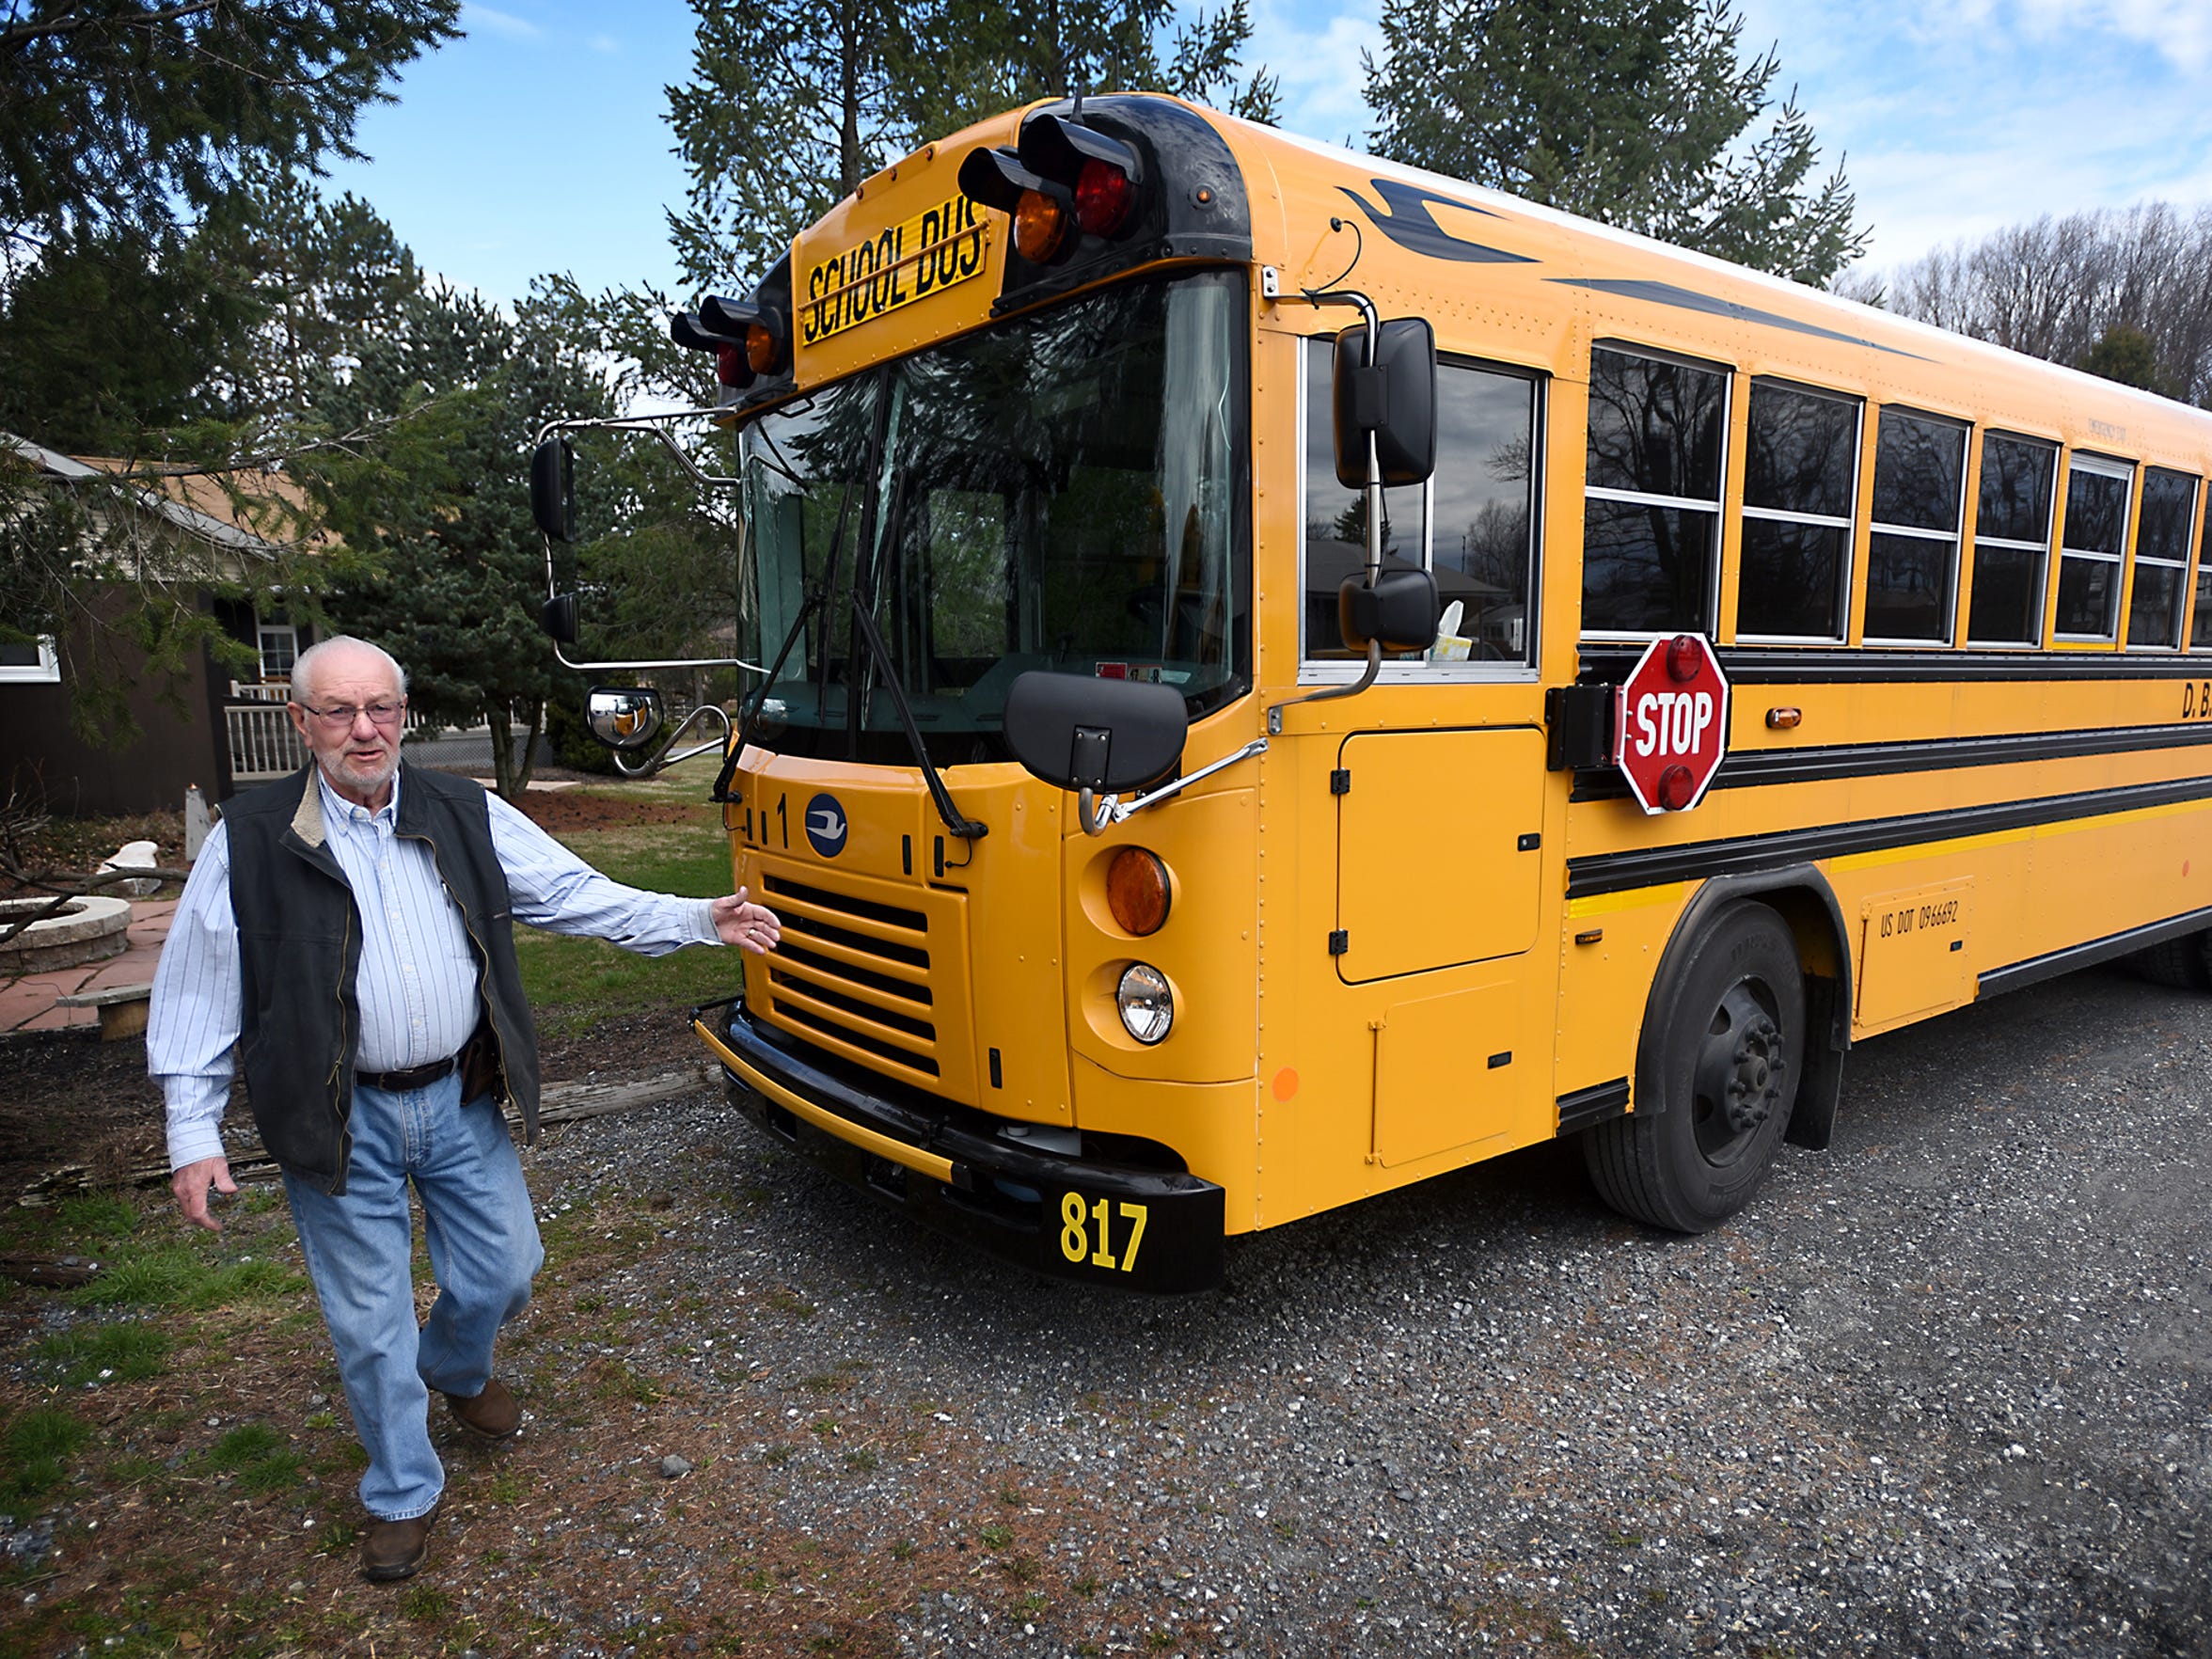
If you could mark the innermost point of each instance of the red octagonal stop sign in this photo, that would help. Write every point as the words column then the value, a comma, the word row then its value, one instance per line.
column 1670, row 726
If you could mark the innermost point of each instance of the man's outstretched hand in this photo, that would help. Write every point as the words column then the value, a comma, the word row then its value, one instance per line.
column 739, row 922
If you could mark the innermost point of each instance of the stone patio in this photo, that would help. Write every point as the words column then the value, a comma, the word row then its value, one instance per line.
column 28, row 1003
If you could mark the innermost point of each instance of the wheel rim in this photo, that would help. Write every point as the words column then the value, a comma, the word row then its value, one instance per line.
column 1742, row 1064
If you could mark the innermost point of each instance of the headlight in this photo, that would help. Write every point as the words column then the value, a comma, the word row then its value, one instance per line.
column 1147, row 1007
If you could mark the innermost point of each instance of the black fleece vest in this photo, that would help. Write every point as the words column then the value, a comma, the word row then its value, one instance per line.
column 299, row 946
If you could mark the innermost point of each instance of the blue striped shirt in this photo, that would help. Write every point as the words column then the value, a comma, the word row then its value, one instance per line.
column 417, row 981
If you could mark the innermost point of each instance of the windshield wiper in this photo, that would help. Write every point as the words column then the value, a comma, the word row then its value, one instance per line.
column 967, row 828
column 816, row 593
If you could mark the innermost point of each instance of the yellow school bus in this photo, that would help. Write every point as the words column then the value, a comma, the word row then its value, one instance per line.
column 1197, row 577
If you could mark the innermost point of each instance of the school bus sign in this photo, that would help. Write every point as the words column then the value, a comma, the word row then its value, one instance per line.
column 936, row 248
column 1670, row 726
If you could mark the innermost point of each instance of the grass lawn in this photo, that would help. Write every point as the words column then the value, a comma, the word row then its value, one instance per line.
column 574, row 983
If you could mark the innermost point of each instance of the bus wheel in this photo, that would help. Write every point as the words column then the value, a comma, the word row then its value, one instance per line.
column 2179, row 964
column 1715, row 1080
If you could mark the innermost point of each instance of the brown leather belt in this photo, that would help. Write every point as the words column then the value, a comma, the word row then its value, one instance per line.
column 415, row 1077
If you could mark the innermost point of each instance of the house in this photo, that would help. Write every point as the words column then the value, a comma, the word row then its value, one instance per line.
column 204, row 727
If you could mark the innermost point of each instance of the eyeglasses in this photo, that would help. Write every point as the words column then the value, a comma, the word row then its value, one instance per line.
column 341, row 718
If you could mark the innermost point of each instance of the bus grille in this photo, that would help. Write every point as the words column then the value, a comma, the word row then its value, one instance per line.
column 854, row 971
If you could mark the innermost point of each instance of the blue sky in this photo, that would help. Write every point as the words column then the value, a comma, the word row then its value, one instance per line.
column 538, row 143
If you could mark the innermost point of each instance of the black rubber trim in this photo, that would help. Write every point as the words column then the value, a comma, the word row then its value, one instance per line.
column 1005, row 1198
column 1584, row 1108
column 1624, row 872
column 1606, row 660
column 1750, row 768
column 2037, row 968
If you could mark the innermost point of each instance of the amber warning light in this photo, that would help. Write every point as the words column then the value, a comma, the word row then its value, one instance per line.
column 1061, row 176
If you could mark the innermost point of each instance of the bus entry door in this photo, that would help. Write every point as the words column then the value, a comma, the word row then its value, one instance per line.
column 1436, row 848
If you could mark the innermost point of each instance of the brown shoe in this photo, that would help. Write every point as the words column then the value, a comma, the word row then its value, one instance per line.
column 491, row 1415
column 394, row 1549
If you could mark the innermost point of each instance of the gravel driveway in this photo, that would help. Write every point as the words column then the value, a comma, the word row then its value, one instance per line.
column 1942, row 1390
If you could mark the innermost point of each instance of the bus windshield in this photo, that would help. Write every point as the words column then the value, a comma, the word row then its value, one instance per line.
column 1064, row 491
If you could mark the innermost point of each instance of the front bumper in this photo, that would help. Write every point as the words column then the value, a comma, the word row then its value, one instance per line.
column 1073, row 1218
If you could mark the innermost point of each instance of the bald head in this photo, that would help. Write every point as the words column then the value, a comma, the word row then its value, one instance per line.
column 342, row 653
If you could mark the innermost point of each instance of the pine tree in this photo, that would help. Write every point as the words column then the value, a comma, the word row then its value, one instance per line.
column 438, row 508
column 144, row 111
column 1637, row 113
column 793, row 103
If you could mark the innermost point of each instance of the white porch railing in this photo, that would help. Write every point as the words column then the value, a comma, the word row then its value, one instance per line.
column 262, row 742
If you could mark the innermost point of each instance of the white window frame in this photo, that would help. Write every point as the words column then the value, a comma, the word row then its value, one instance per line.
column 1955, row 535
column 261, row 650
column 45, row 671
column 1847, row 524
column 1335, row 670
column 2041, row 549
column 2098, row 467
column 2192, row 597
column 1717, row 506
column 2139, row 559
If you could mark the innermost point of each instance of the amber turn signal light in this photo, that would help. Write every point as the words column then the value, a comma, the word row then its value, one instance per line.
column 1040, row 225
column 762, row 350
column 1137, row 891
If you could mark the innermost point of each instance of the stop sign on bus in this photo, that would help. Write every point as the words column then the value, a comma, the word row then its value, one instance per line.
column 1670, row 725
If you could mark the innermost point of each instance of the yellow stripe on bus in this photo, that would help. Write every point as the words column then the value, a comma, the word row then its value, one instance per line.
column 867, row 1140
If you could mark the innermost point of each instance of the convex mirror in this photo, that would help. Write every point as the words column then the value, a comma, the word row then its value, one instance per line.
column 624, row 716
column 1399, row 613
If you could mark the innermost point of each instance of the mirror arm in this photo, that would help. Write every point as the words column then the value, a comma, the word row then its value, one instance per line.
column 1351, row 296
column 652, row 426
column 1351, row 689
column 1097, row 814
column 672, row 662
column 667, row 757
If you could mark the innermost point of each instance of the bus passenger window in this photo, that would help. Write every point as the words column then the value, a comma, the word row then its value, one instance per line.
column 1912, row 552
column 2161, row 560
column 1484, row 491
column 1800, row 489
column 1335, row 519
column 2012, row 541
column 1652, row 494
column 2090, row 552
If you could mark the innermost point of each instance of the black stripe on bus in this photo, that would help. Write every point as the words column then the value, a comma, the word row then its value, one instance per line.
column 1606, row 663
column 1689, row 299
column 1582, row 1109
column 1624, row 872
column 1748, row 769
column 2053, row 963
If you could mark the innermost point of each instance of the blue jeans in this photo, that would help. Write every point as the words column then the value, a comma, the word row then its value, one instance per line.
column 484, row 1252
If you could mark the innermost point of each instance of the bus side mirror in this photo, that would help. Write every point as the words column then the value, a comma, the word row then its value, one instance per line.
column 1104, row 736
column 553, row 489
column 1396, row 400
column 558, row 617
column 1399, row 613
column 624, row 716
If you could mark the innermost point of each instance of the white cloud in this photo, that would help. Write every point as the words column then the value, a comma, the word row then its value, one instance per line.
column 605, row 44
column 499, row 22
column 1317, row 54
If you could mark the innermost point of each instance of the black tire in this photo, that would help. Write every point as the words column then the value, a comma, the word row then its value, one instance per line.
column 2179, row 964
column 1717, row 1071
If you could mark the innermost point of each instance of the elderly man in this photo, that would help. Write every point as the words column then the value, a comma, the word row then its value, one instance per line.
column 346, row 933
